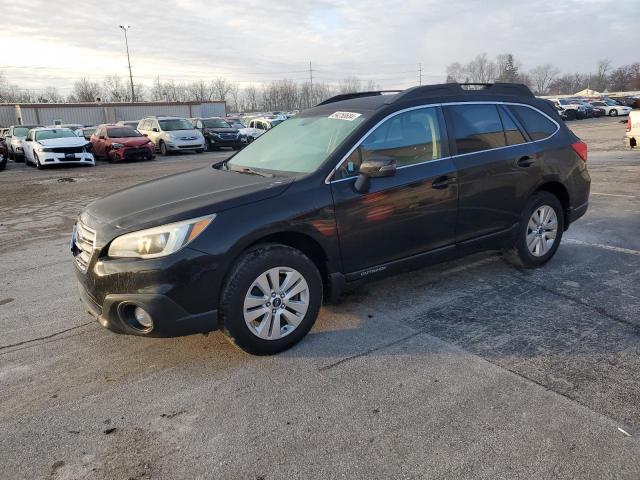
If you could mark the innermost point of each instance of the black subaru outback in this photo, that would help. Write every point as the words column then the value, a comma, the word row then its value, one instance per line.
column 360, row 186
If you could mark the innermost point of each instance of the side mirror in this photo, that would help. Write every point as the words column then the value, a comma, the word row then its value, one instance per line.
column 101, row 137
column 28, row 140
column 154, row 129
column 375, row 166
column 145, row 134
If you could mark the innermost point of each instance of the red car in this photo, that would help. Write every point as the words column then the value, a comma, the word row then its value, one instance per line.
column 117, row 143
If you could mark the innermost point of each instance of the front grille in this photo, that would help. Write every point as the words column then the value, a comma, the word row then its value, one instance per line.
column 229, row 136
column 136, row 152
column 84, row 240
column 188, row 138
column 67, row 150
column 189, row 147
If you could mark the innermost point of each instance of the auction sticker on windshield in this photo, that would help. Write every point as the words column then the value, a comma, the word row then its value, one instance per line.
column 349, row 116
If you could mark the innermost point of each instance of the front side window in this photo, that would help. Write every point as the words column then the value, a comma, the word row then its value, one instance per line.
column 20, row 131
column 410, row 137
column 476, row 128
column 175, row 124
column 299, row 145
column 537, row 125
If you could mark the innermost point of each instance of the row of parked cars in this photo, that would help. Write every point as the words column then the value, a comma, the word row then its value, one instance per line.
column 41, row 146
column 579, row 108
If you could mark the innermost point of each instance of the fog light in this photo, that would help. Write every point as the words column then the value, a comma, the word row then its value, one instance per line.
column 142, row 317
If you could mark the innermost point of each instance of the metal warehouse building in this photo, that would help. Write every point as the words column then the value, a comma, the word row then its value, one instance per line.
column 97, row 113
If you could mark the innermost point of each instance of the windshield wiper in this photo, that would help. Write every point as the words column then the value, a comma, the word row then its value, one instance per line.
column 251, row 171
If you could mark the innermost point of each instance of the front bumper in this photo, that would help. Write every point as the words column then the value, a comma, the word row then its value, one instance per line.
column 185, row 145
column 132, row 153
column 216, row 142
column 53, row 158
column 169, row 318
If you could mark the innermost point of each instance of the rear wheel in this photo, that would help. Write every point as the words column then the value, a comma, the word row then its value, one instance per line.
column 613, row 112
column 271, row 299
column 540, row 231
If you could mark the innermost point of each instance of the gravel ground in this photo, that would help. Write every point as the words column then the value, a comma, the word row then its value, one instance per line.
column 471, row 369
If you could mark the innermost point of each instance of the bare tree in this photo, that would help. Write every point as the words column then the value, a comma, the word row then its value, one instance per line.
column 252, row 98
column 85, row 90
column 600, row 79
column 542, row 77
column 349, row 85
column 481, row 69
column 200, row 91
column 220, row 88
column 115, row 90
column 50, row 95
column 234, row 95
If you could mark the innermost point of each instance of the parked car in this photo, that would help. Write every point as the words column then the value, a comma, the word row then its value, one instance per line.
column 4, row 154
column 129, row 123
column 15, row 138
column 85, row 132
column 632, row 102
column 218, row 133
column 53, row 146
column 235, row 122
column 325, row 201
column 117, row 143
column 633, row 129
column 611, row 108
column 591, row 110
column 573, row 111
column 258, row 126
column 172, row 134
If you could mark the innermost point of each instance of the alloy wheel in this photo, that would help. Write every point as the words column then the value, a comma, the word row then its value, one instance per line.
column 276, row 303
column 542, row 230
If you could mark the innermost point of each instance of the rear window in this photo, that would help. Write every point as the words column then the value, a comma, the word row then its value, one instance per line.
column 537, row 125
column 512, row 133
column 476, row 128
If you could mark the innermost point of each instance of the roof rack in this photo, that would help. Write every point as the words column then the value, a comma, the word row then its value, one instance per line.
column 451, row 89
column 349, row 96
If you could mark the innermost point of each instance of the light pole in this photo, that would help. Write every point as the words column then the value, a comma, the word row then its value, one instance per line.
column 126, row 42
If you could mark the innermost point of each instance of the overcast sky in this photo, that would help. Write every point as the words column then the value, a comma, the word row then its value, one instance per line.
column 47, row 42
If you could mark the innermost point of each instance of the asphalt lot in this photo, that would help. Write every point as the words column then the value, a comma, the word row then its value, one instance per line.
column 471, row 369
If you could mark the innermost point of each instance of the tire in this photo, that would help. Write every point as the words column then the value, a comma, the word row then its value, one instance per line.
column 571, row 114
column 163, row 149
column 3, row 164
column 200, row 150
column 38, row 165
column 259, row 265
column 10, row 154
column 613, row 112
column 521, row 255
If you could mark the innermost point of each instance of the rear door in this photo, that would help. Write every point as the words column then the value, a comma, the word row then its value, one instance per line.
column 413, row 211
column 497, row 167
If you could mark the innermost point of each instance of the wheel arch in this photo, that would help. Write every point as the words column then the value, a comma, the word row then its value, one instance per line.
column 557, row 189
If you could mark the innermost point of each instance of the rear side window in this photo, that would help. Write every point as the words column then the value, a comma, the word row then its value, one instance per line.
column 512, row 133
column 476, row 128
column 537, row 125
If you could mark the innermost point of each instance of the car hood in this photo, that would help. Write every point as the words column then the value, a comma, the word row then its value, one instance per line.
column 222, row 130
column 183, row 133
column 179, row 197
column 131, row 141
column 64, row 142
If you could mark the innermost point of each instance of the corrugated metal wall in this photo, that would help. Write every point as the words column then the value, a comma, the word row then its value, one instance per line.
column 105, row 113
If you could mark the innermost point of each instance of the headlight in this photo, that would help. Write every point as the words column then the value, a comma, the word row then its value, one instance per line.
column 159, row 241
column 116, row 146
column 40, row 148
column 170, row 137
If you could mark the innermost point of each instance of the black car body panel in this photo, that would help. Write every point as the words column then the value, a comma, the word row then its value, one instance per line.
column 427, row 212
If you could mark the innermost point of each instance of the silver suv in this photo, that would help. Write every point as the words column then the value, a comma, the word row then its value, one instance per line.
column 172, row 134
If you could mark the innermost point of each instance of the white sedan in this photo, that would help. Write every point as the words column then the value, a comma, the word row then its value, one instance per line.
column 54, row 146
column 612, row 108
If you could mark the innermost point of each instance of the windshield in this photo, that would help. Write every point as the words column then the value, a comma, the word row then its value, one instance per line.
column 58, row 133
column 123, row 132
column 21, row 131
column 299, row 145
column 175, row 124
column 215, row 123
column 236, row 124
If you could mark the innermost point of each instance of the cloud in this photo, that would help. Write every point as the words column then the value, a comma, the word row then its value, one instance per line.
column 255, row 41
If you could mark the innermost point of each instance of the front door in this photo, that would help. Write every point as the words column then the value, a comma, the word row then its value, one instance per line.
column 413, row 211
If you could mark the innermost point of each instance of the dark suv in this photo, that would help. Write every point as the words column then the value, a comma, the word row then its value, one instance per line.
column 360, row 186
column 218, row 133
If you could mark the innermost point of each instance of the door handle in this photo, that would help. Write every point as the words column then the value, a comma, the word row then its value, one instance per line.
column 525, row 161
column 443, row 182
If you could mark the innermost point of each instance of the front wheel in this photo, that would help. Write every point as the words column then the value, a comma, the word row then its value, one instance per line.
column 613, row 112
column 163, row 149
column 39, row 166
column 271, row 299
column 539, row 232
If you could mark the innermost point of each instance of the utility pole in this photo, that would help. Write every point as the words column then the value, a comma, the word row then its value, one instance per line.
column 310, row 85
column 126, row 42
column 420, row 70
